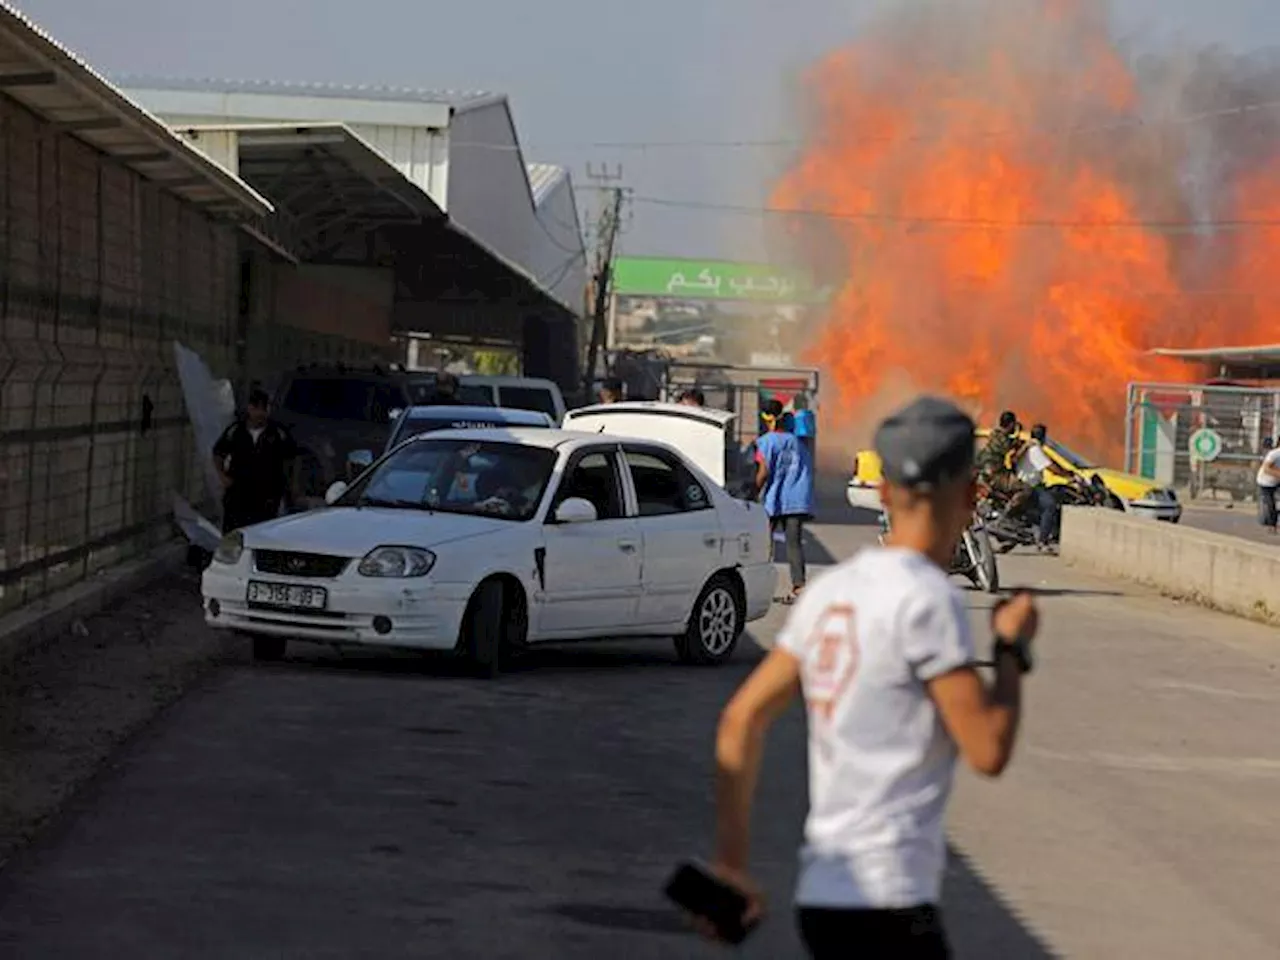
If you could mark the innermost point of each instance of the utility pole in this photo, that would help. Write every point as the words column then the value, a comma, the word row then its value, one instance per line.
column 608, row 228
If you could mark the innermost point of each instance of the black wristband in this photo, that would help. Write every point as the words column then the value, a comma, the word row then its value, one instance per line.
column 1019, row 649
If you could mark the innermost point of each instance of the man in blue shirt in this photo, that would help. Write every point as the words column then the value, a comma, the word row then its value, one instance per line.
column 784, row 482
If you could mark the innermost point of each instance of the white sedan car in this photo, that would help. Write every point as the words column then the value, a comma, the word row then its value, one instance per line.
column 481, row 541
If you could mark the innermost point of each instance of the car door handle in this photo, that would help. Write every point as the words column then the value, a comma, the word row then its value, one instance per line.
column 627, row 546
column 709, row 540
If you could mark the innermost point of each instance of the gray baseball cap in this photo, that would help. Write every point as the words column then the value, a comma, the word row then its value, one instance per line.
column 926, row 444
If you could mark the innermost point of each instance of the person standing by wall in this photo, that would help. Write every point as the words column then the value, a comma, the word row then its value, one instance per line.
column 255, row 459
column 881, row 651
column 784, row 483
column 1268, row 482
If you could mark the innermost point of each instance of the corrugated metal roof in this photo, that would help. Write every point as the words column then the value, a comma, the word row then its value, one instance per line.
column 543, row 180
column 457, row 99
column 59, row 86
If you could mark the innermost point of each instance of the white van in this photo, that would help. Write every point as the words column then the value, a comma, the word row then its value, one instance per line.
column 514, row 393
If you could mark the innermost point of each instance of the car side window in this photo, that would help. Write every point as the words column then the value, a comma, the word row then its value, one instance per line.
column 593, row 478
column 663, row 485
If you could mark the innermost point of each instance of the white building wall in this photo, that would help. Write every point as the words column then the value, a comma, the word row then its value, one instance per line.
column 468, row 161
column 556, row 254
column 422, row 155
column 488, row 185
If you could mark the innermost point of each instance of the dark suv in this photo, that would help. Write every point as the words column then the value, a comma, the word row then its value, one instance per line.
column 333, row 410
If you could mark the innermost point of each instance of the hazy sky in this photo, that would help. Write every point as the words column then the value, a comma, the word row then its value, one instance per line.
column 577, row 72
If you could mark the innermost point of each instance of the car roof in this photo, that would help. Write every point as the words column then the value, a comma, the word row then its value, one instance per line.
column 496, row 380
column 705, row 414
column 532, row 437
column 515, row 416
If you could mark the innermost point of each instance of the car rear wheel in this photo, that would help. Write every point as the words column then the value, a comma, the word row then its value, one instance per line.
column 269, row 649
column 715, row 624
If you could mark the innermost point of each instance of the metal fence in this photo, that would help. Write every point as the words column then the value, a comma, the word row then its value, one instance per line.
column 1163, row 418
column 739, row 389
column 99, row 273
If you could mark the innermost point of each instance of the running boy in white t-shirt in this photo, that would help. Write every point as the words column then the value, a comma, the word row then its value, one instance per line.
column 881, row 650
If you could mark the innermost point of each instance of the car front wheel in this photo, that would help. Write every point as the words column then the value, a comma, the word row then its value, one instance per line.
column 495, row 627
column 714, row 625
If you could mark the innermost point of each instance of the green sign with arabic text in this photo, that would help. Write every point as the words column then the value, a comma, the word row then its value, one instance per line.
column 712, row 280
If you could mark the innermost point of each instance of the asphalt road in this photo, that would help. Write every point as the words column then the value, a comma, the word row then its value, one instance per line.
column 1240, row 520
column 374, row 805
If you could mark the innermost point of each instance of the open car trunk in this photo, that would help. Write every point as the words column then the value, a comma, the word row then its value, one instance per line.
column 705, row 436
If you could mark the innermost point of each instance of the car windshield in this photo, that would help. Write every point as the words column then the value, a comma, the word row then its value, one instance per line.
column 1077, row 461
column 330, row 398
column 423, row 392
column 527, row 398
column 488, row 478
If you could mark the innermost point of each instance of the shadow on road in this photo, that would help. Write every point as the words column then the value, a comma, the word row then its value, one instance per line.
column 979, row 922
column 632, row 655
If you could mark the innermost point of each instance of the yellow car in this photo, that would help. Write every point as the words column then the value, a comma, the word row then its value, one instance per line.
column 1133, row 494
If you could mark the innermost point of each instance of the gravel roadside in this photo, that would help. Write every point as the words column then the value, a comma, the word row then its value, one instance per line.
column 64, row 709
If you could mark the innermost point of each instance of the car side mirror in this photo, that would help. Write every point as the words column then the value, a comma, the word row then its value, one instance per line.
column 358, row 461
column 335, row 492
column 576, row 510
column 394, row 414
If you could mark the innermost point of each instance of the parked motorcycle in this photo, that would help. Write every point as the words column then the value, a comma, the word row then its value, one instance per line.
column 975, row 558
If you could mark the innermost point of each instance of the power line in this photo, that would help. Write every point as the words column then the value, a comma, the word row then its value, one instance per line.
column 548, row 282
column 982, row 222
column 1068, row 130
column 610, row 226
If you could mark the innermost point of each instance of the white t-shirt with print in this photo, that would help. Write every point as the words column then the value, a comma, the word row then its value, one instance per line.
column 1270, row 460
column 869, row 635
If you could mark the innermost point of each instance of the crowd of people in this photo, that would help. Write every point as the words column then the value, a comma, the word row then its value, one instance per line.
column 1014, row 466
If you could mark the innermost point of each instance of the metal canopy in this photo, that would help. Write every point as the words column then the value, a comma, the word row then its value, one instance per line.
column 331, row 188
column 1260, row 355
column 329, row 185
column 56, row 85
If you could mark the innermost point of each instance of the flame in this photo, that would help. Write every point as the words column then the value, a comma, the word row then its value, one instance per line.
column 982, row 247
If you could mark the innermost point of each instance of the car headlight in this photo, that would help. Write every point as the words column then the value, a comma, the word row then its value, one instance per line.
column 230, row 549
column 397, row 562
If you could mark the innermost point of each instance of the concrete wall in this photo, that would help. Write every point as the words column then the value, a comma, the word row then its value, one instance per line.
column 101, row 272
column 353, row 302
column 317, row 313
column 1214, row 570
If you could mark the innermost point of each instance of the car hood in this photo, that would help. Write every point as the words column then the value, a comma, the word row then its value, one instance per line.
column 354, row 531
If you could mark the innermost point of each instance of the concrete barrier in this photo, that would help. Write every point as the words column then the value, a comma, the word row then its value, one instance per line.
column 1211, row 569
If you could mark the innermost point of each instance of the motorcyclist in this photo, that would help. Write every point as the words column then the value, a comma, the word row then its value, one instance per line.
column 998, row 460
column 1031, row 468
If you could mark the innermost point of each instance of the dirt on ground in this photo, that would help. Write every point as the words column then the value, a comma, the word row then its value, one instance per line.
column 66, row 707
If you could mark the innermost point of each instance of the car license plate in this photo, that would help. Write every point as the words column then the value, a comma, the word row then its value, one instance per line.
column 292, row 596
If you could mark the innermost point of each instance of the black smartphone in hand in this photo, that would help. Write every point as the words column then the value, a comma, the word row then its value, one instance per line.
column 695, row 888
